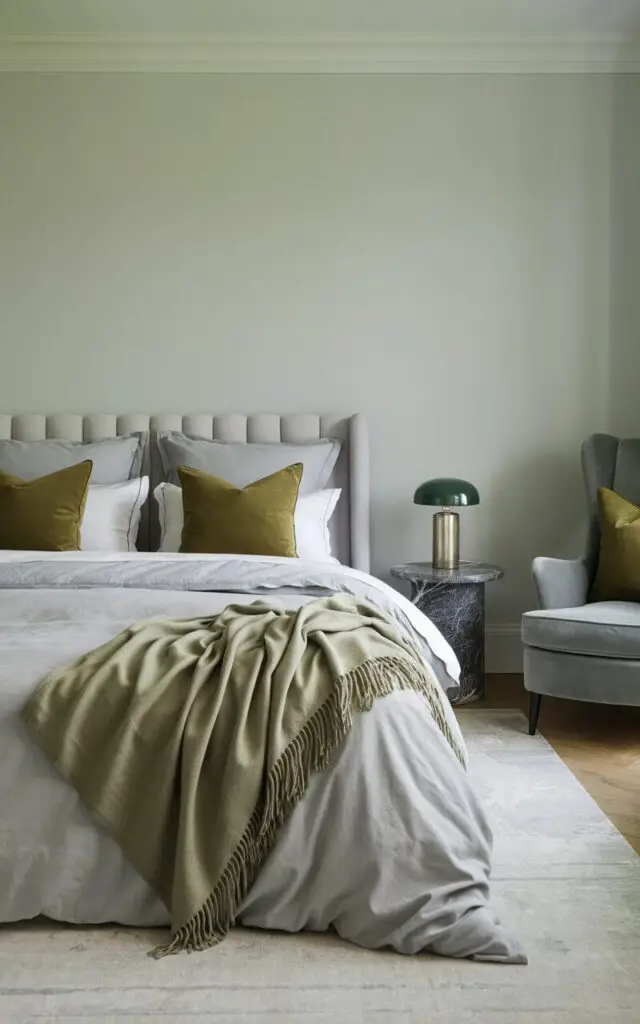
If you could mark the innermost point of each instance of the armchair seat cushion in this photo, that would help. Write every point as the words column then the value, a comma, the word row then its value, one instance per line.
column 603, row 629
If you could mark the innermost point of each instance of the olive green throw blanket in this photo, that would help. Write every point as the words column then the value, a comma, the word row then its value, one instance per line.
column 192, row 740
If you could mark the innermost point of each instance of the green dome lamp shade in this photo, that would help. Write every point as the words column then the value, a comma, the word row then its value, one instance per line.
column 446, row 491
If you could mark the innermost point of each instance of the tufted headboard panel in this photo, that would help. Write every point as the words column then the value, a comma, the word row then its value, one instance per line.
column 350, row 523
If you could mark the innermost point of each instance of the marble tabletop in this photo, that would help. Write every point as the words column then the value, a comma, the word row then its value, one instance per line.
column 469, row 572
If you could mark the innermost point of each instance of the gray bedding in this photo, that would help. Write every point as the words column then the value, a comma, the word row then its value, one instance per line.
column 390, row 846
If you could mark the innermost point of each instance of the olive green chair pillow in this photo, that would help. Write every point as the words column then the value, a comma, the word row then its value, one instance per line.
column 253, row 520
column 44, row 514
column 618, row 573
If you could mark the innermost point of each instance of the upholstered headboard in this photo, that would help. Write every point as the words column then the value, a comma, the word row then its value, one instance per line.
column 350, row 523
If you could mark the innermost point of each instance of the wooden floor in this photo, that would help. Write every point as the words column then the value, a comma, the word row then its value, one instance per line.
column 600, row 744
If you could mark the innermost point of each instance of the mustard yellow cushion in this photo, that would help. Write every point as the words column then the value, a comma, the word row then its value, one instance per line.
column 618, row 573
column 44, row 514
column 252, row 520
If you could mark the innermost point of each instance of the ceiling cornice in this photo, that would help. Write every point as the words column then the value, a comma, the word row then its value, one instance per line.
column 381, row 54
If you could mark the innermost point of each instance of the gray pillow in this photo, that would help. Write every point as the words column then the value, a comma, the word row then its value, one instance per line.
column 241, row 463
column 114, row 460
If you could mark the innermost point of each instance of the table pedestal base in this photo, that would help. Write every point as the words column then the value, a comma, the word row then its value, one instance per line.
column 458, row 612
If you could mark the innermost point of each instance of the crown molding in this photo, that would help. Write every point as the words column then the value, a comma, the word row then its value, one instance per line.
column 382, row 54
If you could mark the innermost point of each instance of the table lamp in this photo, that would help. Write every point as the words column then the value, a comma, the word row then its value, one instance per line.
column 446, row 491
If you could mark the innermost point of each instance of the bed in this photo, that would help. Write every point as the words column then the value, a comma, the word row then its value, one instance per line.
column 390, row 845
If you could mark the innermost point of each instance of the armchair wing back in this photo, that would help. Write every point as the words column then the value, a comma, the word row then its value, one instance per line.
column 608, row 462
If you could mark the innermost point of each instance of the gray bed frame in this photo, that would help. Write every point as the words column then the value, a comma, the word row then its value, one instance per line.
column 350, row 522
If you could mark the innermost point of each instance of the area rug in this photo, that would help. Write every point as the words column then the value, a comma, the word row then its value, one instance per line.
column 564, row 880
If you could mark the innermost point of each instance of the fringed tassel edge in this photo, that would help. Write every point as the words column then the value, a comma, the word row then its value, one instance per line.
column 309, row 751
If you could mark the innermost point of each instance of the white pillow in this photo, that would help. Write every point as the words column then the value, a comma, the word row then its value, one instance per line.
column 311, row 525
column 311, row 521
column 112, row 515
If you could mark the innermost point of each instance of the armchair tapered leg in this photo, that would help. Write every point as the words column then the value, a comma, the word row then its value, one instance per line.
column 534, row 711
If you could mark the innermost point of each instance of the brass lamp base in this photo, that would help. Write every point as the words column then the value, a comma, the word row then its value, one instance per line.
column 446, row 540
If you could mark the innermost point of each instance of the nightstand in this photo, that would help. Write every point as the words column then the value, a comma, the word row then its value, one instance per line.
column 454, row 601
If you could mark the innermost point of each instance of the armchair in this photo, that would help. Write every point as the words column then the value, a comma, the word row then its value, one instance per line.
column 575, row 648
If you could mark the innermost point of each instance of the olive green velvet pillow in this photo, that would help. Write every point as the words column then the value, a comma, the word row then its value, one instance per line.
column 618, row 573
column 252, row 520
column 44, row 514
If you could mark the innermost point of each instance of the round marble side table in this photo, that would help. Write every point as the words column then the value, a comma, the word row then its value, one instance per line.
column 454, row 600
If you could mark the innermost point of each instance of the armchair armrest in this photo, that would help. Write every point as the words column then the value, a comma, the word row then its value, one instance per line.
column 561, row 583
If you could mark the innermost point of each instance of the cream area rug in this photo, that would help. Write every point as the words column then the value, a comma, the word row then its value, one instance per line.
column 564, row 880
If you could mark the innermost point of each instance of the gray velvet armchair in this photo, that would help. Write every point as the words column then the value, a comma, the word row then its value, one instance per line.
column 575, row 648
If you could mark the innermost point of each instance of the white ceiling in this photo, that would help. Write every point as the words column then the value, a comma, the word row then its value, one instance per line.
column 446, row 17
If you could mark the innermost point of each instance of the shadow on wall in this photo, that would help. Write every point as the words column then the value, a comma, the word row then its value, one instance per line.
column 395, row 518
column 624, row 355
column 540, row 496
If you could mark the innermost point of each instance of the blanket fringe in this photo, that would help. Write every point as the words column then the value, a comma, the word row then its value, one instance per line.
column 310, row 751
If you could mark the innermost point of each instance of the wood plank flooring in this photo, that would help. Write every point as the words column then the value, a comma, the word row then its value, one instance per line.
column 600, row 744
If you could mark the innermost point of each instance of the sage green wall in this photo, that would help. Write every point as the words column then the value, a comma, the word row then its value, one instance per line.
column 430, row 250
column 625, row 258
